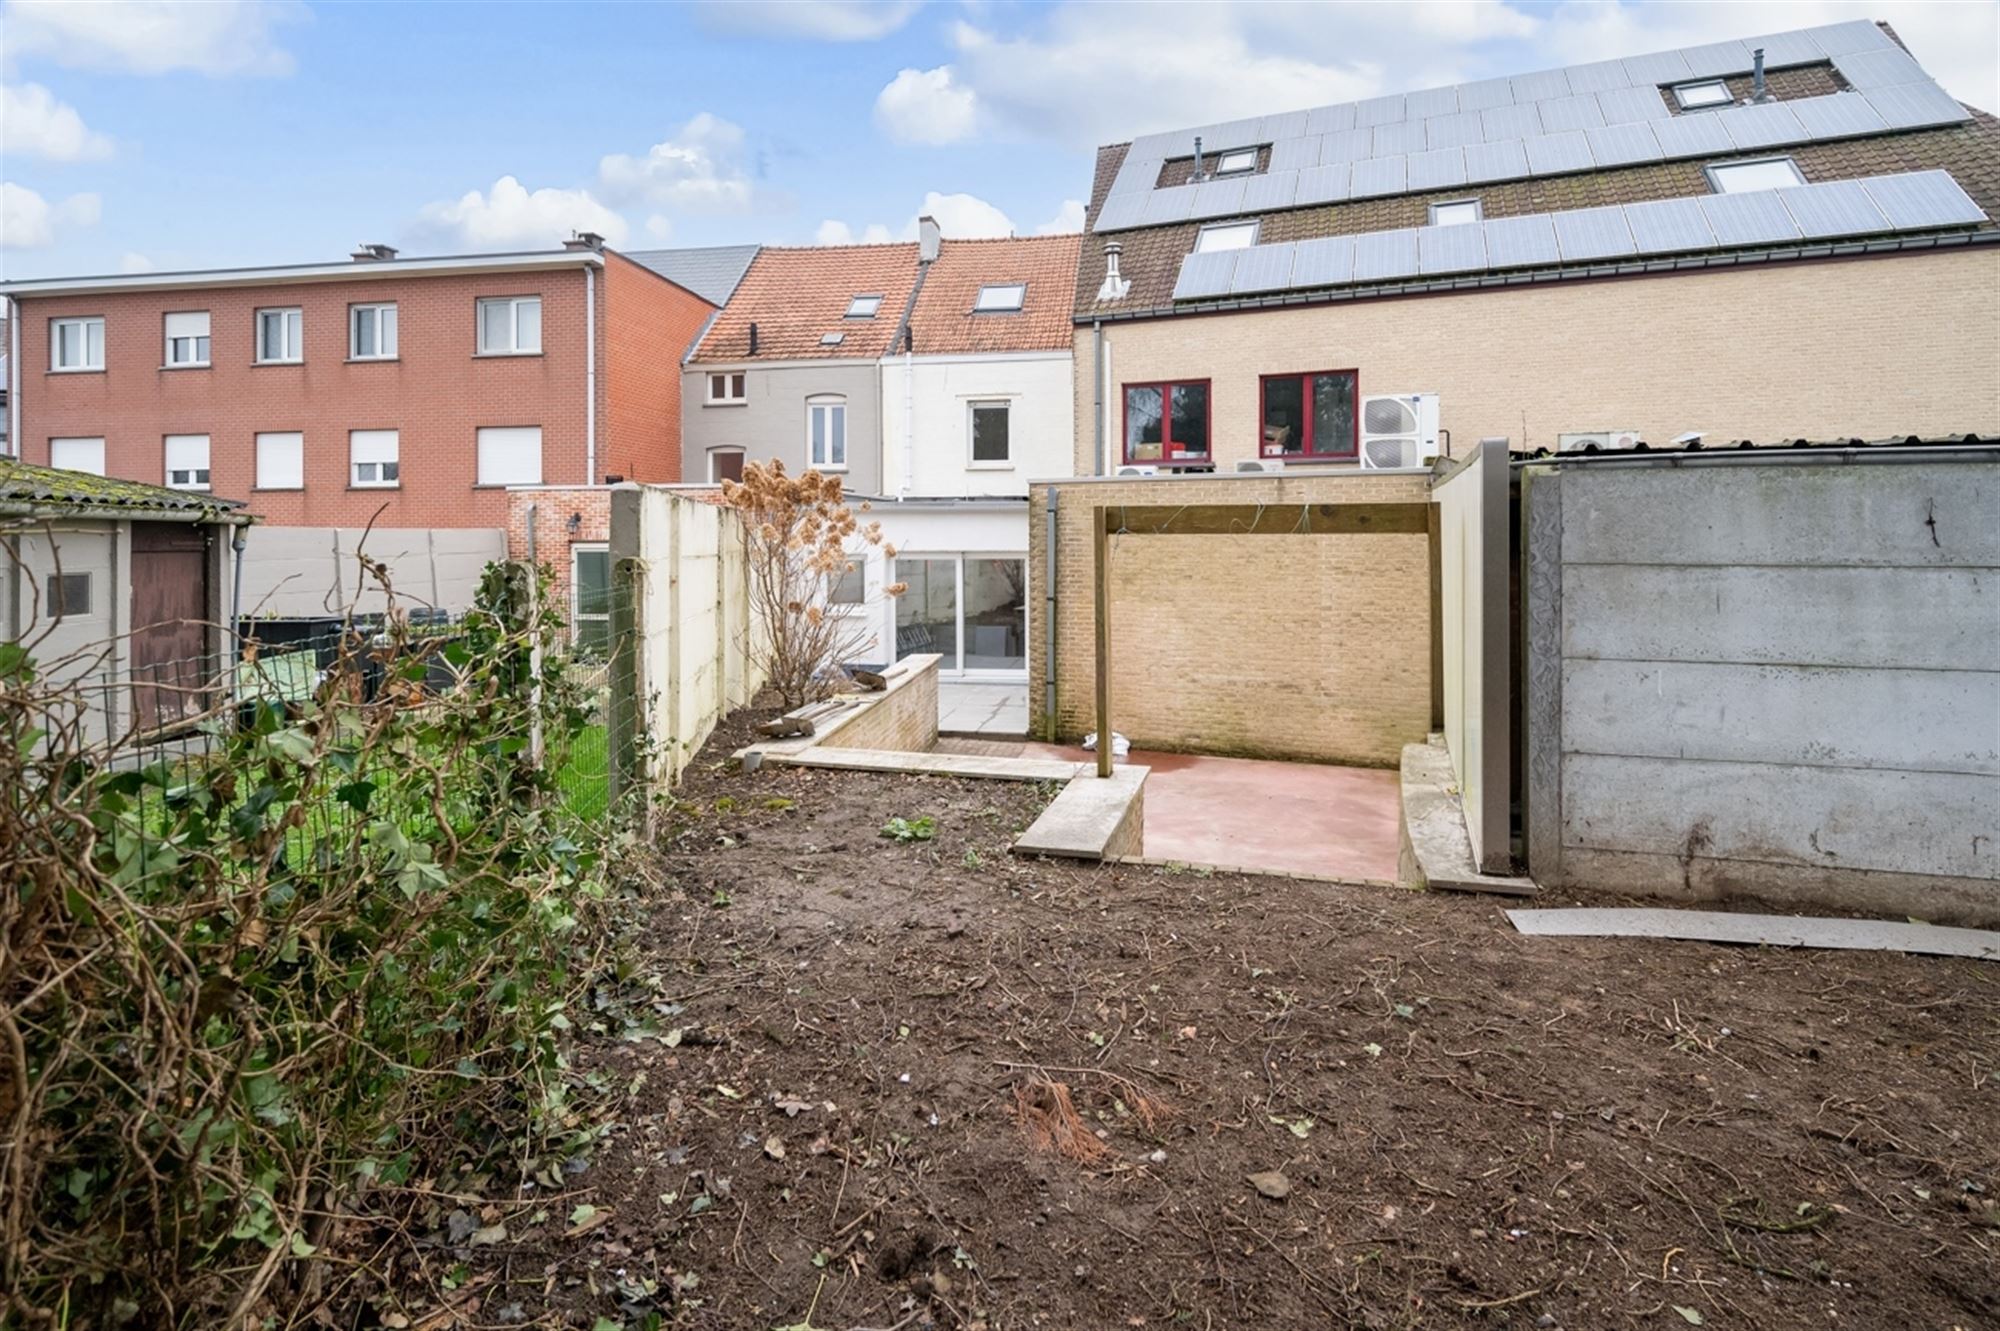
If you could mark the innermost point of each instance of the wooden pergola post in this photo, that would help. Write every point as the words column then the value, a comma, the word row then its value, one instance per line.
column 1101, row 540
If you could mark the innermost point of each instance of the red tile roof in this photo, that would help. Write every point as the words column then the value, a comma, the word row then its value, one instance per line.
column 943, row 322
column 797, row 296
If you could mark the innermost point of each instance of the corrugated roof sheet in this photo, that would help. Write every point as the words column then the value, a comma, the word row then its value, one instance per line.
column 22, row 483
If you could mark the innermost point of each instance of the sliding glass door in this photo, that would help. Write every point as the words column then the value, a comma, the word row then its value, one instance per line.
column 970, row 609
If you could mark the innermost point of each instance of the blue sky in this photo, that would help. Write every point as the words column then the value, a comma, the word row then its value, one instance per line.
column 167, row 136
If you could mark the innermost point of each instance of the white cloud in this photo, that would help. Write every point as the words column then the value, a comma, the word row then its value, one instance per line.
column 815, row 20
column 218, row 37
column 134, row 262
column 510, row 216
column 659, row 228
column 959, row 217
column 927, row 106
column 30, row 222
column 1068, row 219
column 697, row 169
column 34, row 124
column 835, row 232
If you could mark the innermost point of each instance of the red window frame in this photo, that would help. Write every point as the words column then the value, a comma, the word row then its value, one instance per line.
column 1167, row 387
column 1308, row 450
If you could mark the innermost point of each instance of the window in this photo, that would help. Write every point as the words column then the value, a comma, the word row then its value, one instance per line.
column 590, row 598
column 280, row 336
column 510, row 455
column 728, row 387
column 1309, row 415
column 372, row 458
column 826, row 433
column 1240, row 159
column 863, row 307
column 510, row 326
column 1001, row 298
column 371, row 332
column 187, row 461
column 1708, row 92
column 281, row 460
column 66, row 594
column 76, row 344
column 187, row 339
column 851, row 587
column 1459, row 212
column 989, row 434
column 1166, row 422
column 725, row 464
column 832, row 339
column 1226, row 236
column 1744, row 177
column 77, row 455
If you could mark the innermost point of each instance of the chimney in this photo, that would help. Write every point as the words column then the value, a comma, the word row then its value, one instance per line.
column 1197, row 160
column 929, row 238
column 584, row 240
column 1758, row 92
column 753, row 337
column 1114, row 287
column 373, row 254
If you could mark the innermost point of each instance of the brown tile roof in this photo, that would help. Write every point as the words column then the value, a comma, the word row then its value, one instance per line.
column 797, row 296
column 943, row 322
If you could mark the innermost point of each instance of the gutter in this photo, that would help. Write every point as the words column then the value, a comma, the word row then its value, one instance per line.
column 1778, row 454
column 373, row 270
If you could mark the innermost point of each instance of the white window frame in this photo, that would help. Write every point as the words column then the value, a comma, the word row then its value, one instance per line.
column 508, row 438
column 87, row 324
column 197, row 475
column 714, row 478
column 972, row 409
column 1681, row 91
column 1718, row 174
column 1224, row 229
column 1451, row 205
column 854, row 310
column 827, row 402
column 88, row 443
column 736, row 388
column 294, row 327
column 515, row 304
column 270, row 441
column 372, row 311
column 1247, row 157
column 199, row 358
column 381, row 480
column 994, row 298
column 576, row 616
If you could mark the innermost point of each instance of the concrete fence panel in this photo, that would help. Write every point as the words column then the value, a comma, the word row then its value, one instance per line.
column 1473, row 517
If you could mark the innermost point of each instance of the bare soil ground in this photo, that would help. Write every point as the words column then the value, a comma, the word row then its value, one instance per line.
column 924, row 1083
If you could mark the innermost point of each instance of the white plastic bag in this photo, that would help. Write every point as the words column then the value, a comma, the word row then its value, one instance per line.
column 1120, row 746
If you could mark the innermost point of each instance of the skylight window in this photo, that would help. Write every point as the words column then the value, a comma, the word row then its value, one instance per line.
column 1696, row 96
column 1459, row 212
column 863, row 307
column 1001, row 298
column 1748, row 177
column 1226, row 236
column 832, row 339
column 1235, row 161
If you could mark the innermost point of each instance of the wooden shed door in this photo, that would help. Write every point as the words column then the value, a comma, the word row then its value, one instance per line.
column 171, row 668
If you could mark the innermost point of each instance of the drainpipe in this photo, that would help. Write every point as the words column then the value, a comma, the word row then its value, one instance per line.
column 1097, row 389
column 909, row 419
column 237, row 543
column 13, row 377
column 1049, row 620
column 589, row 375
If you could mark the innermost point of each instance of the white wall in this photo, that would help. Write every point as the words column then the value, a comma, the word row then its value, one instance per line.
column 1472, row 557
column 925, row 529
column 941, row 390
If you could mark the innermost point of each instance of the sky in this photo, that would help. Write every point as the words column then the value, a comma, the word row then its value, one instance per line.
column 156, row 137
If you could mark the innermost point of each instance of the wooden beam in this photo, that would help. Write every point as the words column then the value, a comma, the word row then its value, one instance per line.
column 1406, row 519
column 1101, row 540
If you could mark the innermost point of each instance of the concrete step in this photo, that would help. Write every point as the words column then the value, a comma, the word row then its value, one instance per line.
column 1093, row 818
column 934, row 764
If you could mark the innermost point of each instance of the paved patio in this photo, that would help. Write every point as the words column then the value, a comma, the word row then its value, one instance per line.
column 982, row 708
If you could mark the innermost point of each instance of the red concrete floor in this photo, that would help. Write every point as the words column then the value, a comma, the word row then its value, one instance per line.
column 1273, row 817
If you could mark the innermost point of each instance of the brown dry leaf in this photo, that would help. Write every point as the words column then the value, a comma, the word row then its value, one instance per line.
column 589, row 1222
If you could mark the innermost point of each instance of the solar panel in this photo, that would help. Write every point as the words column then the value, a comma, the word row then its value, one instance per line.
column 1598, row 77
column 1440, row 168
column 1218, row 198
column 1171, row 143
column 1262, row 268
column 1922, row 199
column 1204, row 275
column 1881, row 68
column 1592, row 233
column 1229, row 134
column 1787, row 48
column 1346, row 145
column 1485, row 94
column 1716, row 58
column 1692, row 136
column 1121, row 211
column 1405, row 136
column 1552, row 154
column 1379, row 111
column 1760, row 126
column 1135, row 177
column 1510, row 122
column 1430, row 102
column 1565, row 113
column 1495, row 161
column 1622, row 106
column 1450, row 249
column 1379, row 175
column 1266, row 193
column 1454, row 130
column 1380, row 255
column 1748, row 219
column 1520, row 242
column 1855, row 35
column 1327, row 261
column 1621, row 145
column 1837, row 208
column 1914, row 104
column 1838, row 116
column 1292, row 154
column 1289, row 125
column 1668, row 226
column 1323, row 184
column 1327, row 119
column 1539, row 86
column 1174, row 204
column 1653, row 70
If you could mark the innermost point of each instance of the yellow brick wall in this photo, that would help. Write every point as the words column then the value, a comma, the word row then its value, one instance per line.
column 1308, row 647
column 901, row 719
column 1881, row 347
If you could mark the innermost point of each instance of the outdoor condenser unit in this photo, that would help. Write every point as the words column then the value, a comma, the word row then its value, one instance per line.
column 1606, row 441
column 1261, row 464
column 1138, row 471
column 1399, row 430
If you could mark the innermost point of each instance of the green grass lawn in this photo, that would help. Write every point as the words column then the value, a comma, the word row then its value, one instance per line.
column 583, row 776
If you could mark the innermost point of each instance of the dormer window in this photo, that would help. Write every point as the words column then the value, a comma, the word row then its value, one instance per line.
column 1236, row 161
column 1226, row 236
column 1001, row 298
column 1459, row 212
column 863, row 307
column 1702, row 95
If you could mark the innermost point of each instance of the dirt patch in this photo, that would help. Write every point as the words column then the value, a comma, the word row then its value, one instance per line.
column 922, row 1083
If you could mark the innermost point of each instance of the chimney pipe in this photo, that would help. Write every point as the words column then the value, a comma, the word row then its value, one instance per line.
column 373, row 253
column 753, row 337
column 930, row 238
column 1197, row 158
column 1758, row 92
column 1115, row 286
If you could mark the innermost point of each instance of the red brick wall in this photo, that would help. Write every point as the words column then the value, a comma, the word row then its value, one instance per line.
column 648, row 325
column 437, row 394
column 553, row 538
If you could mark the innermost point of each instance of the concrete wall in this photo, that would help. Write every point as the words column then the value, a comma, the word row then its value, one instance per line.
column 1314, row 647
column 941, row 389
column 771, row 421
column 1815, row 350
column 1768, row 677
column 297, row 572
column 1474, row 618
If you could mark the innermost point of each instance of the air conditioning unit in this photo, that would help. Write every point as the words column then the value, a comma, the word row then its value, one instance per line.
column 1138, row 471
column 1399, row 430
column 1603, row 441
column 1261, row 464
